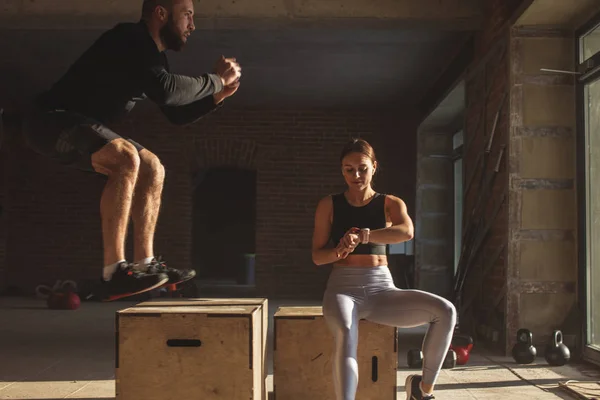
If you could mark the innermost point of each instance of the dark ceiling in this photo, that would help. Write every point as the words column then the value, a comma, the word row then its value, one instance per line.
column 284, row 68
column 326, row 68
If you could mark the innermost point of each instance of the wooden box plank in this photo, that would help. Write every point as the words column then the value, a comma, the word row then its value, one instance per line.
column 302, row 362
column 189, row 352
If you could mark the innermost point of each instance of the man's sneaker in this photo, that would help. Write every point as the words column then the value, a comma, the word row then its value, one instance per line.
column 127, row 282
column 413, row 388
column 176, row 276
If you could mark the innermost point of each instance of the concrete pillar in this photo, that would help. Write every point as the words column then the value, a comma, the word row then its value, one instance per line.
column 542, row 263
column 434, row 229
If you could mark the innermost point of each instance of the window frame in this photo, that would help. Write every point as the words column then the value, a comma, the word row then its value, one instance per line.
column 587, row 71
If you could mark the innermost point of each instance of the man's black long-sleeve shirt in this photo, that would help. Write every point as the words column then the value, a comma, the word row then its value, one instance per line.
column 124, row 65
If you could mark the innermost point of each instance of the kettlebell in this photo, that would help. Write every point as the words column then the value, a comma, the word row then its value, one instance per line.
column 62, row 296
column 524, row 352
column 414, row 358
column 557, row 353
column 462, row 354
column 461, row 340
column 71, row 301
column 462, row 346
column 450, row 360
column 55, row 300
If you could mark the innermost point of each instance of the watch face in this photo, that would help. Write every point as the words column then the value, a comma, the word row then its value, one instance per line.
column 364, row 235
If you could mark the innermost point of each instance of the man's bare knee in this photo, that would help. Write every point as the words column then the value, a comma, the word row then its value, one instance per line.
column 118, row 156
column 151, row 167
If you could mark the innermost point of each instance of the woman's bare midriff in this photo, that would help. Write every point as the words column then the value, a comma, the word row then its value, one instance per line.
column 361, row 260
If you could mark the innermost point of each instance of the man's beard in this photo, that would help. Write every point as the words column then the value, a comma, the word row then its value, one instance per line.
column 170, row 37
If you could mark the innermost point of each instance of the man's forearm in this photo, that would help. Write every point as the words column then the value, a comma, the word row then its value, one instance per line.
column 169, row 89
column 391, row 235
column 190, row 113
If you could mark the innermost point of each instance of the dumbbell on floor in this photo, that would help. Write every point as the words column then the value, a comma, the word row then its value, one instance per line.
column 450, row 360
column 414, row 359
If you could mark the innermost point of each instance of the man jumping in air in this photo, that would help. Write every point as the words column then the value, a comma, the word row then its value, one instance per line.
column 69, row 123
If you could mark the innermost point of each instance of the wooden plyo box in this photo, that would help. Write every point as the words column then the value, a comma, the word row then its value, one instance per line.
column 202, row 301
column 303, row 350
column 189, row 352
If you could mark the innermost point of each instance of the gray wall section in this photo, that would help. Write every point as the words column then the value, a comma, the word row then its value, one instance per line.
column 434, row 230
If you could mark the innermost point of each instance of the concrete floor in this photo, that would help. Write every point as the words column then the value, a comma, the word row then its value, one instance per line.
column 47, row 354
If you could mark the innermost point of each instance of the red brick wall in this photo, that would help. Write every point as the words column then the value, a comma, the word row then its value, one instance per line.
column 53, row 213
column 3, row 222
column 486, row 93
column 497, row 14
column 484, row 98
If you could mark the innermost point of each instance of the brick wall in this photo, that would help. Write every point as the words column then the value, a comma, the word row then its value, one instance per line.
column 3, row 220
column 53, row 213
column 486, row 195
column 497, row 14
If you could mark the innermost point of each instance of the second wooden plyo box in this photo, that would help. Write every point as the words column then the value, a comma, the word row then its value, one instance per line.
column 263, row 314
column 303, row 352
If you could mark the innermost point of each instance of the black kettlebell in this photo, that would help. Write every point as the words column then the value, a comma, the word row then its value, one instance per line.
column 557, row 353
column 450, row 360
column 414, row 358
column 524, row 351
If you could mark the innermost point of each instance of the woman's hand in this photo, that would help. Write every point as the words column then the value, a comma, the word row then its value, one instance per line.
column 348, row 242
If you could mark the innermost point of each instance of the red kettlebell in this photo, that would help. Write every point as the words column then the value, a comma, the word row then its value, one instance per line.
column 462, row 353
column 62, row 296
column 55, row 300
column 70, row 301
column 462, row 345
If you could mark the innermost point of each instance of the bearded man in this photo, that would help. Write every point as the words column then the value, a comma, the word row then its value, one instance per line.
column 69, row 123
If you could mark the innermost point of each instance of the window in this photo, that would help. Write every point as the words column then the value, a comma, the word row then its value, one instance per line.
column 592, row 161
column 588, row 183
column 402, row 248
column 589, row 44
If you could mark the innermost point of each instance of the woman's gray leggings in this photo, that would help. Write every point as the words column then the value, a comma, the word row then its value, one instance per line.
column 355, row 293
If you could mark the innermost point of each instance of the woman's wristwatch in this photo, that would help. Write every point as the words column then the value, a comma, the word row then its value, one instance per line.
column 364, row 235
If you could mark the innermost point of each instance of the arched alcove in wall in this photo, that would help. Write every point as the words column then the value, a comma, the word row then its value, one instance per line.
column 224, row 210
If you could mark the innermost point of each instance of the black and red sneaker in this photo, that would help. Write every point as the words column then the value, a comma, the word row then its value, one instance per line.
column 413, row 388
column 126, row 282
column 176, row 276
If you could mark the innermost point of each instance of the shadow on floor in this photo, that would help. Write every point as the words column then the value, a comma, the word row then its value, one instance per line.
column 487, row 384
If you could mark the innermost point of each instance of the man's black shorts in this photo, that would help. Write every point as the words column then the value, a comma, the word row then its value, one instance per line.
column 67, row 137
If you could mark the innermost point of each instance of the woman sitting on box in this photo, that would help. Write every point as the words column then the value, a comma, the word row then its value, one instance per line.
column 361, row 222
